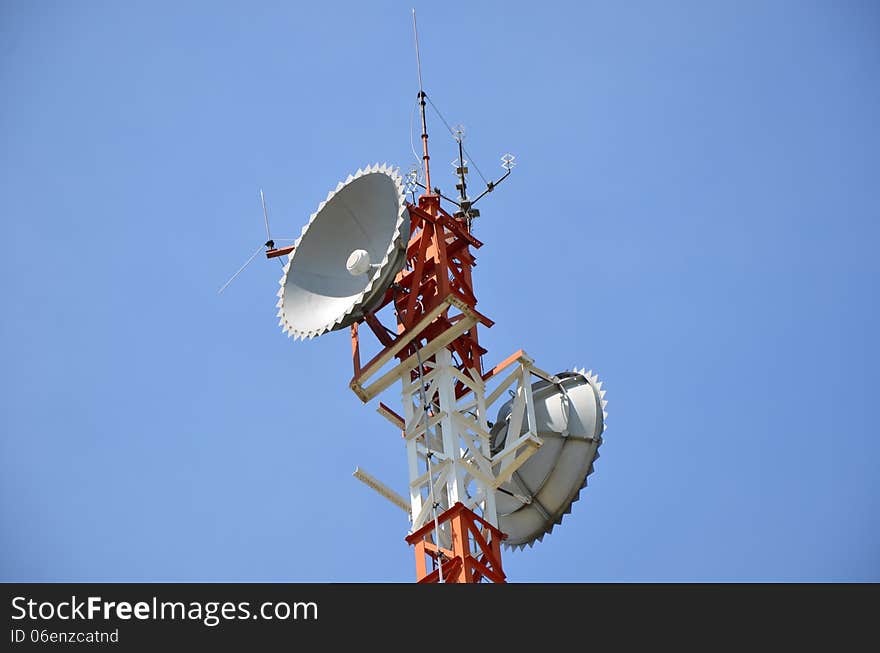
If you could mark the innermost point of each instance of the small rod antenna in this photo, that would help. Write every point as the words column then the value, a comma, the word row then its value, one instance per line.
column 461, row 168
column 418, row 57
column 425, row 157
column 265, row 215
column 240, row 270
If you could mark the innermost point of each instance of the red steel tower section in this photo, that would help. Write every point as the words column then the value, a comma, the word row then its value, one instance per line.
column 435, row 305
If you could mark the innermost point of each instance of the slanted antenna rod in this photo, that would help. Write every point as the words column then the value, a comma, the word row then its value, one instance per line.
column 269, row 243
column 240, row 270
column 425, row 157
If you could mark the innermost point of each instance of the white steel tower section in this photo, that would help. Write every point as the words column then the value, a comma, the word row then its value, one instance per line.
column 449, row 440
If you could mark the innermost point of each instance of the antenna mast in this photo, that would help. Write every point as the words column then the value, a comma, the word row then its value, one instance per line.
column 425, row 157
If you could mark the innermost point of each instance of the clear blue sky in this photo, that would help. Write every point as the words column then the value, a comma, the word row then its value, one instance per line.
column 694, row 215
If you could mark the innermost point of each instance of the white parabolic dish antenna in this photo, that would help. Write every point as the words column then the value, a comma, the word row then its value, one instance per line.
column 570, row 419
column 347, row 255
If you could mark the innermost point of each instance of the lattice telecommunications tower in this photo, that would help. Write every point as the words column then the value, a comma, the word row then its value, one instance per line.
column 494, row 455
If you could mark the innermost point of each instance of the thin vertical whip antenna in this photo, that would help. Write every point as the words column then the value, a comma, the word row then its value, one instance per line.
column 425, row 157
column 265, row 215
column 418, row 57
